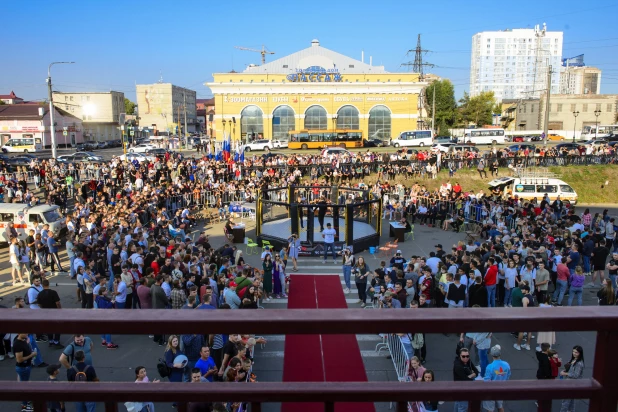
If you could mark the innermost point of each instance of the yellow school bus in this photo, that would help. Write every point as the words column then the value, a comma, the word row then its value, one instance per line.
column 317, row 139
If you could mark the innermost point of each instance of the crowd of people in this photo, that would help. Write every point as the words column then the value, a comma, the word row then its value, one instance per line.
column 128, row 249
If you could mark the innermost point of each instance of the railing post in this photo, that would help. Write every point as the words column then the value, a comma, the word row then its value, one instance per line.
column 111, row 407
column 475, row 406
column 604, row 372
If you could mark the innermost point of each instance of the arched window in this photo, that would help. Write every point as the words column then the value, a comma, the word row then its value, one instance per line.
column 283, row 122
column 315, row 118
column 251, row 123
column 347, row 118
column 379, row 123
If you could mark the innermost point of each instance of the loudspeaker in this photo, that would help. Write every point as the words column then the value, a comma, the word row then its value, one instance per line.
column 210, row 117
column 234, row 120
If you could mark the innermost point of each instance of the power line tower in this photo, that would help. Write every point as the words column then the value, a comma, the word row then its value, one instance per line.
column 418, row 66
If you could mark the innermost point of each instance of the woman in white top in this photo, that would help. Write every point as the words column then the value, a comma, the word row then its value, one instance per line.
column 14, row 260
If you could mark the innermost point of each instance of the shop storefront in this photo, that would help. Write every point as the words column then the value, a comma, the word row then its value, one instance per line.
column 315, row 89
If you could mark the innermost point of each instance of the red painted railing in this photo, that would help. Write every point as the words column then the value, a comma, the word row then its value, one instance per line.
column 601, row 389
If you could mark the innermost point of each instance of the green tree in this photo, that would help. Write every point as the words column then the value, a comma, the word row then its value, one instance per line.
column 446, row 105
column 129, row 106
column 477, row 110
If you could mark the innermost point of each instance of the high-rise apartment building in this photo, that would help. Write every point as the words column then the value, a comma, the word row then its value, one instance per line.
column 514, row 63
column 580, row 80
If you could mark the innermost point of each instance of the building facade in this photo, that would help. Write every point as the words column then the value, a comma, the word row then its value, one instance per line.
column 11, row 98
column 562, row 107
column 205, row 110
column 580, row 80
column 514, row 63
column 100, row 112
column 162, row 108
column 315, row 88
column 32, row 121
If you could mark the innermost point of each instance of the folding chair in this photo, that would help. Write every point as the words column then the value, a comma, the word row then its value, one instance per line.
column 252, row 247
column 266, row 243
column 385, row 250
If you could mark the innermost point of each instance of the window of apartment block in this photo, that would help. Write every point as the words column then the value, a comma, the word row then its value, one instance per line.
column 598, row 107
column 573, row 106
column 559, row 108
column 585, row 107
column 608, row 108
column 531, row 108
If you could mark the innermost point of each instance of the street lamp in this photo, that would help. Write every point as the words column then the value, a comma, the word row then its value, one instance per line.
column 575, row 114
column 51, row 107
column 597, row 113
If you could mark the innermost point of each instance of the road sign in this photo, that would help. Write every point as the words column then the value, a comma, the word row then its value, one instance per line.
column 131, row 132
column 65, row 128
column 64, row 133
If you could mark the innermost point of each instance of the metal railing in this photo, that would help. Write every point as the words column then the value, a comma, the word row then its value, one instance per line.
column 601, row 389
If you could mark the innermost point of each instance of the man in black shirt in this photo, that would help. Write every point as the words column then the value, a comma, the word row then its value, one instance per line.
column 49, row 299
column 229, row 351
column 439, row 251
column 23, row 358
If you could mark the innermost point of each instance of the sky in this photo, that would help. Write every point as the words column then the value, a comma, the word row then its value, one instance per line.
column 116, row 45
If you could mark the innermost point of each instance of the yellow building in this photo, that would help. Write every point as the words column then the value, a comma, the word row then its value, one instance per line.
column 315, row 88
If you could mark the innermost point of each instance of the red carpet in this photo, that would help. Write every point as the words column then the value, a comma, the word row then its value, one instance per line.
column 333, row 358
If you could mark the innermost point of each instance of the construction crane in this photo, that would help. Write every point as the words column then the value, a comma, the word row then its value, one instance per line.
column 263, row 52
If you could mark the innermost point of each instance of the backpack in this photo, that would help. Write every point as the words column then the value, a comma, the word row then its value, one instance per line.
column 26, row 299
column 163, row 369
column 80, row 376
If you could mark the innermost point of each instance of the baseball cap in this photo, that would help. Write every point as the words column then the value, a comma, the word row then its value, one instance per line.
column 388, row 294
column 496, row 351
column 328, row 224
column 233, row 284
column 399, row 252
column 438, row 245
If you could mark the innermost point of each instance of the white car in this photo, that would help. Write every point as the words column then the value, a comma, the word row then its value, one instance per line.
column 129, row 157
column 442, row 147
column 260, row 144
column 596, row 142
column 278, row 144
column 142, row 148
column 335, row 151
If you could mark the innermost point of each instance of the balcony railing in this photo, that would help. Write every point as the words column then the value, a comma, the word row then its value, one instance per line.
column 601, row 389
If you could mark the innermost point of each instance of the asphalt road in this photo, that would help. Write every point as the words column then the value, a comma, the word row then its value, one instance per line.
column 117, row 365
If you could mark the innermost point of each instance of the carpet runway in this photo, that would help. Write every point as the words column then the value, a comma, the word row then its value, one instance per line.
column 321, row 358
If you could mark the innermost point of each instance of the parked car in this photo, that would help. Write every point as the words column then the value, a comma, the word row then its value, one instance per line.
column 522, row 147
column 258, row 144
column 158, row 151
column 86, row 157
column 139, row 156
column 596, row 142
column 568, row 146
column 334, row 151
column 463, row 147
column 102, row 145
column 554, row 136
column 373, row 143
column 280, row 144
column 444, row 139
column 612, row 137
column 141, row 148
column 269, row 155
column 442, row 147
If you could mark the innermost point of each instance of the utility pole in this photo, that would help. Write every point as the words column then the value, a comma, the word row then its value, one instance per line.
column 52, row 126
column 184, row 98
column 433, row 112
column 547, row 106
column 418, row 66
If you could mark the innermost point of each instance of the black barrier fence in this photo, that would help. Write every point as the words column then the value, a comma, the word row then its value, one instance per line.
column 419, row 167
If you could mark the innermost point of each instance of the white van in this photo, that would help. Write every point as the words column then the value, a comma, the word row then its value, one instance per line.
column 25, row 218
column 529, row 188
column 413, row 138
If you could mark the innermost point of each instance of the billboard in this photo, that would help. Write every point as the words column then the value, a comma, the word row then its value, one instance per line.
column 577, row 61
